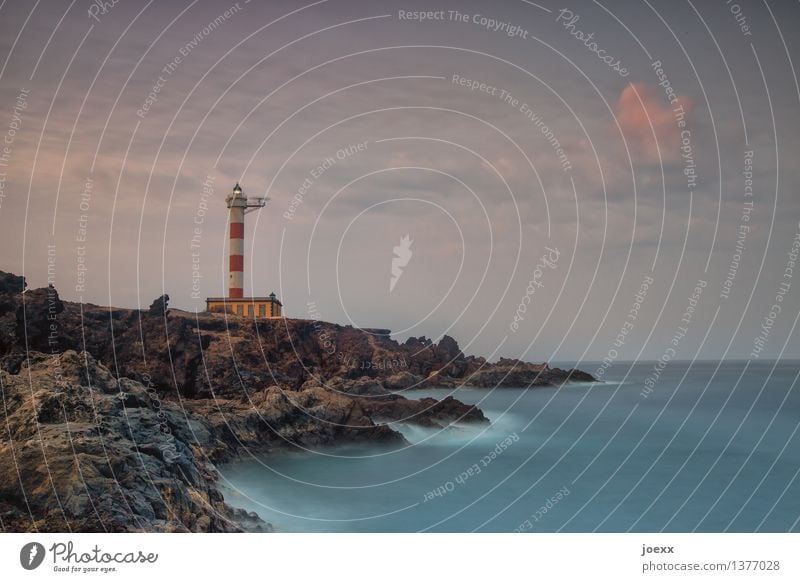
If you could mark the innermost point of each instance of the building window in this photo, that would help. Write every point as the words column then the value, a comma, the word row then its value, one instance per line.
column 250, row 310
column 240, row 309
column 262, row 310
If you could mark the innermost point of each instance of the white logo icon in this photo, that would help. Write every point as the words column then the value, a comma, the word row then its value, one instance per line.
column 402, row 255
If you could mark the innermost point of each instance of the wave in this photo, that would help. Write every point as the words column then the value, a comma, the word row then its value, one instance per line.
column 501, row 424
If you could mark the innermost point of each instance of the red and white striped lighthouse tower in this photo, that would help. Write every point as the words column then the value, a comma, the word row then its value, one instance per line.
column 238, row 206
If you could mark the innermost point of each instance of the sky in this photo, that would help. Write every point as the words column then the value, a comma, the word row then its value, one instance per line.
column 572, row 181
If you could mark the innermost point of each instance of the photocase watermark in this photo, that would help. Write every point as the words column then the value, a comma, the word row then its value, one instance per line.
column 53, row 305
column 382, row 364
column 402, row 256
column 485, row 22
column 627, row 327
column 543, row 128
column 744, row 227
column 100, row 8
column 317, row 171
column 507, row 28
column 14, row 126
column 543, row 510
column 568, row 19
column 197, row 234
column 680, row 333
column 81, row 236
column 326, row 340
column 31, row 555
column 355, row 363
column 472, row 471
column 679, row 113
column 532, row 116
column 739, row 17
column 66, row 558
column 169, row 69
column 665, row 83
column 760, row 342
column 168, row 449
column 548, row 260
column 328, row 344
column 687, row 154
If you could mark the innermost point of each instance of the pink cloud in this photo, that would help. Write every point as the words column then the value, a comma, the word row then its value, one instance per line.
column 648, row 122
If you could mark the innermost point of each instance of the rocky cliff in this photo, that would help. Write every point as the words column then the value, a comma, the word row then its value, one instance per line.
column 114, row 418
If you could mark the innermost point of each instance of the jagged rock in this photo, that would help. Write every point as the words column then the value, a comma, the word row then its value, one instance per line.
column 207, row 354
column 159, row 306
column 38, row 323
column 11, row 284
column 131, row 425
column 363, row 386
column 79, row 459
column 402, row 381
column 275, row 419
column 424, row 412
column 450, row 347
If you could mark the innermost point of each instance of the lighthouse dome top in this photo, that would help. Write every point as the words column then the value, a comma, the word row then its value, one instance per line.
column 237, row 190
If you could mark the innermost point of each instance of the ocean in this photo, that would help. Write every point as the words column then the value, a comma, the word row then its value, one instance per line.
column 714, row 447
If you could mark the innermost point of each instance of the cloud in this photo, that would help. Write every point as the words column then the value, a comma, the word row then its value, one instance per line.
column 648, row 122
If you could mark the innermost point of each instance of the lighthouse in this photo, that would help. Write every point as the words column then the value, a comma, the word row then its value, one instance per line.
column 238, row 206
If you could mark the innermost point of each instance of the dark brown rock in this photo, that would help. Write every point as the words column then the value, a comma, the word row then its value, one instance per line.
column 80, row 459
column 159, row 306
column 130, row 427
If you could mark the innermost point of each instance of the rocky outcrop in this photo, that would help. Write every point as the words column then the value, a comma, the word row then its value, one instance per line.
column 424, row 412
column 116, row 417
column 275, row 420
column 85, row 452
column 211, row 354
column 159, row 306
column 509, row 372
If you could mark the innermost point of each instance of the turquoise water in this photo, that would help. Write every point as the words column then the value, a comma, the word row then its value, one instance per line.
column 715, row 447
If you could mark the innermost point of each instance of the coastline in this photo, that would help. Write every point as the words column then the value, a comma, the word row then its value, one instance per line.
column 119, row 417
